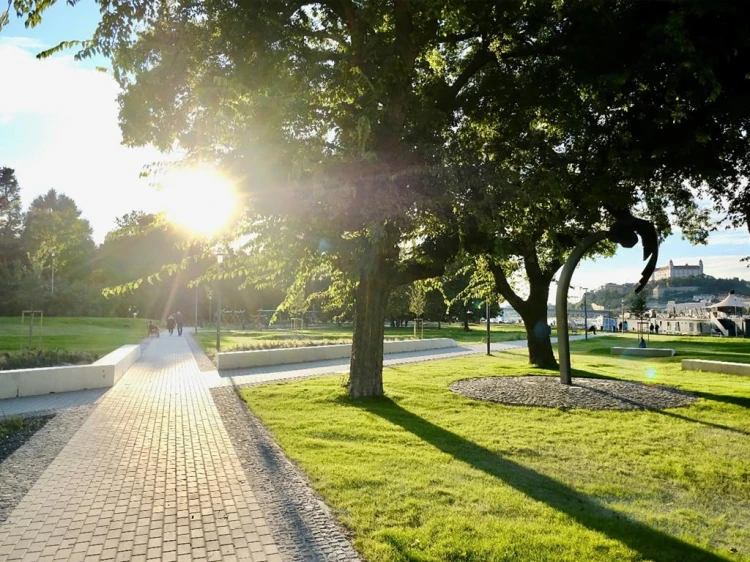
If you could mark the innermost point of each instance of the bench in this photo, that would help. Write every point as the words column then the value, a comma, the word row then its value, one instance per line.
column 642, row 351
column 267, row 357
column 716, row 366
column 103, row 373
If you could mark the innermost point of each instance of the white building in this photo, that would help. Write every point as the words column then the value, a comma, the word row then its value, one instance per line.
column 673, row 271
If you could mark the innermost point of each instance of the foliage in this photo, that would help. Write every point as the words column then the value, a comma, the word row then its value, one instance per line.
column 427, row 476
column 31, row 359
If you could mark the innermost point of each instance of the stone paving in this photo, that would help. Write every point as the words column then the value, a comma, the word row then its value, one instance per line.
column 150, row 475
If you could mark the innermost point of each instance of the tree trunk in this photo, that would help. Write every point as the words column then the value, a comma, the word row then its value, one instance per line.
column 466, row 321
column 366, row 366
column 534, row 316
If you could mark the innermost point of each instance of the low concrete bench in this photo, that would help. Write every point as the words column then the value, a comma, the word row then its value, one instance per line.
column 716, row 366
column 642, row 351
column 101, row 374
column 284, row 356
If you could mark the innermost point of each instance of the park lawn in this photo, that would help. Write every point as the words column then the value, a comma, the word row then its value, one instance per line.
column 97, row 336
column 330, row 335
column 428, row 475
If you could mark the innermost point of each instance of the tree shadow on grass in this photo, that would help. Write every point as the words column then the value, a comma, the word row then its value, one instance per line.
column 726, row 398
column 650, row 543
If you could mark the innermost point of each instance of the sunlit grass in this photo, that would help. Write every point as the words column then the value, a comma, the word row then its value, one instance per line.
column 431, row 476
column 97, row 336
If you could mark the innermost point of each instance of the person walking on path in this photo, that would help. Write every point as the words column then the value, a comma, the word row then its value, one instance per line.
column 178, row 318
column 170, row 324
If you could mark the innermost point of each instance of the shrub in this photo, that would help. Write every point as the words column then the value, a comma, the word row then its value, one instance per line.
column 30, row 359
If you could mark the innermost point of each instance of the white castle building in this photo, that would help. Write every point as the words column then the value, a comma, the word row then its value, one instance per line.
column 673, row 271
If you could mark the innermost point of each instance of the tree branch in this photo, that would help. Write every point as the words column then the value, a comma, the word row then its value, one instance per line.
column 482, row 57
column 503, row 287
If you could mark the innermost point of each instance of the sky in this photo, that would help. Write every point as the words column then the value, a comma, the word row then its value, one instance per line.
column 59, row 129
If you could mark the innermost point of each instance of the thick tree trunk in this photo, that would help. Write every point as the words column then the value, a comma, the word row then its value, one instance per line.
column 366, row 366
column 534, row 316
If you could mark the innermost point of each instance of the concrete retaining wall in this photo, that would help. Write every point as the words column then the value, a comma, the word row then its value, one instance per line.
column 102, row 374
column 642, row 351
column 267, row 357
column 716, row 366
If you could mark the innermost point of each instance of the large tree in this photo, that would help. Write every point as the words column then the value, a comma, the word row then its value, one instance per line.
column 330, row 114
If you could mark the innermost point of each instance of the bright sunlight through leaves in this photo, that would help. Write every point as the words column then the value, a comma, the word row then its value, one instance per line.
column 197, row 199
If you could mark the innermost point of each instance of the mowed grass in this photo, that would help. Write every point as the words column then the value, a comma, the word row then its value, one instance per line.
column 98, row 336
column 428, row 475
column 330, row 335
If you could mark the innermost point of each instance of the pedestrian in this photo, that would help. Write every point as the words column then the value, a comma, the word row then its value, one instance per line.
column 656, row 329
column 170, row 324
column 619, row 325
column 651, row 328
column 178, row 318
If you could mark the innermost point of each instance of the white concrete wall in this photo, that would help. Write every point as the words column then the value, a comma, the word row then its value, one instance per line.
column 102, row 374
column 266, row 357
column 716, row 366
column 642, row 351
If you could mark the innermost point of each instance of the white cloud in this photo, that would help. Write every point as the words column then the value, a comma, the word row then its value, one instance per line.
column 59, row 129
column 728, row 266
column 730, row 237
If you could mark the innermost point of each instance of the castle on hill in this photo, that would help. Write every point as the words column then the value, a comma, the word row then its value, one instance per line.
column 673, row 271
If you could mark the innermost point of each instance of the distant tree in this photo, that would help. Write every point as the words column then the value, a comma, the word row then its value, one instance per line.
column 417, row 300
column 639, row 308
column 11, row 254
column 11, row 211
column 53, row 224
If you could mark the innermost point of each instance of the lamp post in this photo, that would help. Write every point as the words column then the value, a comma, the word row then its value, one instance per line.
column 53, row 273
column 488, row 327
column 220, row 261
column 196, row 308
column 585, row 316
column 622, row 303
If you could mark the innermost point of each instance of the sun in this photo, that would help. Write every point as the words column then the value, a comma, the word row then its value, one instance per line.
column 197, row 199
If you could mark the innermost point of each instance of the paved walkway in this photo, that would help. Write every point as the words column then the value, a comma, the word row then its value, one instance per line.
column 151, row 475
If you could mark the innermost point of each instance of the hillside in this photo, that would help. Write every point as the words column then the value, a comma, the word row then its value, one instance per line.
column 610, row 296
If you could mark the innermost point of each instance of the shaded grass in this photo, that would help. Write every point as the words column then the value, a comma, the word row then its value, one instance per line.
column 97, row 336
column 429, row 475
column 242, row 340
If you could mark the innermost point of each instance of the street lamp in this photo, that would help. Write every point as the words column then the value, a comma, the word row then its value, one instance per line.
column 622, row 303
column 196, row 308
column 220, row 262
column 585, row 316
column 53, row 272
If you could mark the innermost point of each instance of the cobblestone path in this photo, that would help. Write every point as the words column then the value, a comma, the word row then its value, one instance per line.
column 150, row 475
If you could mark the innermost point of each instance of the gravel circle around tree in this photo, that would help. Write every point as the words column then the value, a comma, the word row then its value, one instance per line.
column 584, row 393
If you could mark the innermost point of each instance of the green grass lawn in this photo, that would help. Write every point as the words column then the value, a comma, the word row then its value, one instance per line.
column 428, row 475
column 98, row 336
column 328, row 335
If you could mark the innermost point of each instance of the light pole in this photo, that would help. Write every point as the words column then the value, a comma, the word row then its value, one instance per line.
column 585, row 316
column 196, row 308
column 488, row 327
column 220, row 261
column 622, row 303
column 53, row 273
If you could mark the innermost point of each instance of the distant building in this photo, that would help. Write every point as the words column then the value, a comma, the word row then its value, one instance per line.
column 673, row 271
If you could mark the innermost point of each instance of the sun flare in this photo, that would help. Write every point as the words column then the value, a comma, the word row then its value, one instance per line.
column 197, row 199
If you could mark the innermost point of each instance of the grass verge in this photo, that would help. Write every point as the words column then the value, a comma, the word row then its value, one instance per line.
column 15, row 431
column 428, row 475
column 96, row 336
